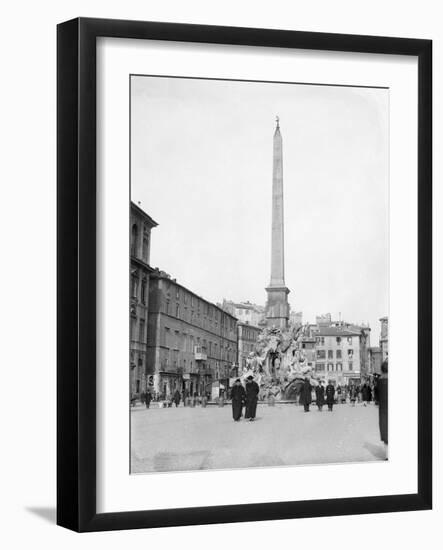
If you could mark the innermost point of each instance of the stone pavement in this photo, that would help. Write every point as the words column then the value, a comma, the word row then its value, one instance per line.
column 178, row 439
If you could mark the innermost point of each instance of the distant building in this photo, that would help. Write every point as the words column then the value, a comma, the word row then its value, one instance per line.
column 384, row 338
column 140, row 271
column 341, row 351
column 245, row 312
column 375, row 360
column 247, row 340
column 296, row 318
column 192, row 343
column 323, row 320
column 308, row 346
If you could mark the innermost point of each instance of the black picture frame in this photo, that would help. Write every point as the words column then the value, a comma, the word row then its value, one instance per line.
column 76, row 280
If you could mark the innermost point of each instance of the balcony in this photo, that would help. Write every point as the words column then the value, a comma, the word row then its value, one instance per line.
column 200, row 353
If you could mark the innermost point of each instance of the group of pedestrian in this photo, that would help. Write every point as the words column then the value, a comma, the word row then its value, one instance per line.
column 245, row 397
column 322, row 395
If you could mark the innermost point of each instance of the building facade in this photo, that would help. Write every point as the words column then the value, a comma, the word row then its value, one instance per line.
column 341, row 351
column 246, row 343
column 384, row 338
column 296, row 318
column 140, row 271
column 192, row 343
column 375, row 360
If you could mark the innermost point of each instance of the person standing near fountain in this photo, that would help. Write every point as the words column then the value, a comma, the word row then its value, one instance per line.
column 252, row 390
column 238, row 396
column 330, row 395
column 306, row 394
column 320, row 396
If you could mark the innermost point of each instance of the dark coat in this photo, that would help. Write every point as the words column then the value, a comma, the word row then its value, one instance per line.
column 148, row 397
column 252, row 391
column 330, row 394
column 177, row 397
column 320, row 395
column 353, row 393
column 306, row 393
column 238, row 396
column 382, row 387
column 366, row 393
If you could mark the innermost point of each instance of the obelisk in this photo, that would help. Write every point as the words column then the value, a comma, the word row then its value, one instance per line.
column 277, row 307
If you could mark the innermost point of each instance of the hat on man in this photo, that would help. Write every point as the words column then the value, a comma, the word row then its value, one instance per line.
column 250, row 377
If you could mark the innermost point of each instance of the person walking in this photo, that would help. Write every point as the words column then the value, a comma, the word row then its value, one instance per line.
column 305, row 395
column 382, row 386
column 352, row 394
column 238, row 397
column 338, row 394
column 330, row 395
column 320, row 396
column 148, row 398
column 252, row 390
column 177, row 397
column 366, row 394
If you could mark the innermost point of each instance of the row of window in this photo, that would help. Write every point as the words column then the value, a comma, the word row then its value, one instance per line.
column 321, row 353
column 198, row 318
column 248, row 334
column 187, row 343
column 321, row 340
column 331, row 367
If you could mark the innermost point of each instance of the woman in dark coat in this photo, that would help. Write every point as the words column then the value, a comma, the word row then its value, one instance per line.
column 306, row 394
column 238, row 396
column 148, row 398
column 382, row 386
column 330, row 395
column 320, row 396
column 252, row 391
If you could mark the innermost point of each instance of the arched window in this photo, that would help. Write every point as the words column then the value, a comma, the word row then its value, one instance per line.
column 134, row 240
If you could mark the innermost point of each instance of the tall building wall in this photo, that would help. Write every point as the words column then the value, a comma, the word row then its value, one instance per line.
column 191, row 342
column 139, row 277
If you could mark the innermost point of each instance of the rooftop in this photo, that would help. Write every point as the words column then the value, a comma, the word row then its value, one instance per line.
column 145, row 216
column 336, row 331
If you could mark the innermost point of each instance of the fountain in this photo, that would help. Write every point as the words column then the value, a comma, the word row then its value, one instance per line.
column 279, row 363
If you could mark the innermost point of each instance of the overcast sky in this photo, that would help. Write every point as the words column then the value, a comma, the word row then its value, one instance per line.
column 201, row 166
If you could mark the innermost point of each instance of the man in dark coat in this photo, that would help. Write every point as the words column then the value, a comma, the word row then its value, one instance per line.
column 177, row 398
column 320, row 396
column 252, row 390
column 306, row 394
column 238, row 396
column 382, row 387
column 330, row 395
column 148, row 398
column 366, row 394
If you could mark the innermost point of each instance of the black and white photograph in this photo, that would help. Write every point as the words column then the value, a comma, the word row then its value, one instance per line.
column 259, row 274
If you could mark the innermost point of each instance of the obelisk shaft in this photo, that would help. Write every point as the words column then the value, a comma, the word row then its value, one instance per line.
column 277, row 242
column 277, row 307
